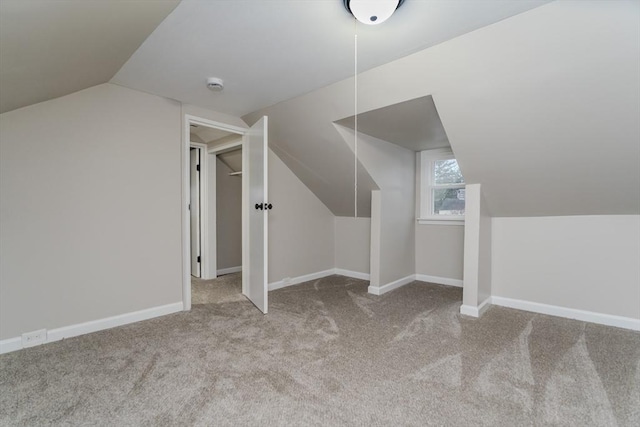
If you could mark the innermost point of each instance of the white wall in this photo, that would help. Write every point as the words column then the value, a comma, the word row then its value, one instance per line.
column 581, row 262
column 477, row 252
column 440, row 250
column 90, row 208
column 555, row 89
column 393, row 169
column 229, row 217
column 352, row 244
column 301, row 227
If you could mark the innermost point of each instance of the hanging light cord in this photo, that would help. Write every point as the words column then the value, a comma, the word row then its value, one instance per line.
column 355, row 139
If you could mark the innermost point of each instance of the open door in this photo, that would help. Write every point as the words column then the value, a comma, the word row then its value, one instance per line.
column 255, row 170
column 194, row 211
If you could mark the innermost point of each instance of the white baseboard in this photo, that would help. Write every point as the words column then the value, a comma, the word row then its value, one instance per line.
column 229, row 270
column 354, row 274
column 569, row 313
column 13, row 344
column 379, row 290
column 300, row 279
column 469, row 310
column 10, row 344
column 439, row 280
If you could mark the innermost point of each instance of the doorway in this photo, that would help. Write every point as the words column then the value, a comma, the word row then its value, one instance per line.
column 204, row 141
column 225, row 202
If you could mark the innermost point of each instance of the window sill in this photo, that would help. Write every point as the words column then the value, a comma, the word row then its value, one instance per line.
column 438, row 221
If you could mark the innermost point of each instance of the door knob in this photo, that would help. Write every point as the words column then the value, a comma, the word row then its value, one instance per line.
column 259, row 206
column 269, row 206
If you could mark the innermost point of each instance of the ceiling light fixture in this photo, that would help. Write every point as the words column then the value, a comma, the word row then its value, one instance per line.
column 372, row 12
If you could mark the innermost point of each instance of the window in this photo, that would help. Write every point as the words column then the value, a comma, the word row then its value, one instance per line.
column 442, row 188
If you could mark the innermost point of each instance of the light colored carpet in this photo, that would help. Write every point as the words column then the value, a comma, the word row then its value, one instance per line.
column 330, row 354
column 227, row 288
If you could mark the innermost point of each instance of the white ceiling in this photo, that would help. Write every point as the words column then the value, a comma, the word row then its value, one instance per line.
column 53, row 48
column 532, row 105
column 542, row 109
column 271, row 51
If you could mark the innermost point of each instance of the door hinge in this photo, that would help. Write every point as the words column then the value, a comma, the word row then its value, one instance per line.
column 198, row 258
column 198, row 168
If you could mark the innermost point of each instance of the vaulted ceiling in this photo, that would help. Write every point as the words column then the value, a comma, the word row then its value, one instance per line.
column 542, row 109
column 266, row 51
column 50, row 48
column 532, row 96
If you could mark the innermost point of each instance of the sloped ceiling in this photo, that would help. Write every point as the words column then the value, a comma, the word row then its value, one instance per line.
column 540, row 104
column 53, row 48
column 271, row 51
column 542, row 109
column 412, row 124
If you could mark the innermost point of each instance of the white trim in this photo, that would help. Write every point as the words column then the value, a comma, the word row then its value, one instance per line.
column 214, row 124
column 425, row 221
column 469, row 310
column 265, row 224
column 354, row 274
column 439, row 280
column 10, row 344
column 13, row 344
column 379, row 290
column 223, row 148
column 229, row 270
column 301, row 279
column 212, row 216
column 569, row 313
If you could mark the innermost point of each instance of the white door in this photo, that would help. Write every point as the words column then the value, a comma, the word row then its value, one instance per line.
column 194, row 211
column 255, row 168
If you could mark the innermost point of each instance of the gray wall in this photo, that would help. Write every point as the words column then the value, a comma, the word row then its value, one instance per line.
column 393, row 169
column 229, row 217
column 353, row 243
column 90, row 218
column 301, row 236
column 565, row 101
column 440, row 250
column 581, row 262
column 477, row 248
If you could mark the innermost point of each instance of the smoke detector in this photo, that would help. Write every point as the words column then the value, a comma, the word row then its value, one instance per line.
column 215, row 84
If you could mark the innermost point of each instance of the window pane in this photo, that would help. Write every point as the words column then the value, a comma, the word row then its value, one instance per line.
column 448, row 201
column 447, row 172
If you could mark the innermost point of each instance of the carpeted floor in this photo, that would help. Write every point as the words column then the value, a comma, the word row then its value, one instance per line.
column 330, row 354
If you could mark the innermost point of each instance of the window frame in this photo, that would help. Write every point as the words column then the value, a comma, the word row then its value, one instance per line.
column 427, row 185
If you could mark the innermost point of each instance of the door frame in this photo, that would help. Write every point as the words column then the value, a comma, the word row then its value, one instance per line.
column 186, row 237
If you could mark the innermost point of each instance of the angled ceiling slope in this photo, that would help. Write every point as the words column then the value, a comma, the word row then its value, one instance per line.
column 413, row 124
column 50, row 48
column 542, row 109
column 270, row 51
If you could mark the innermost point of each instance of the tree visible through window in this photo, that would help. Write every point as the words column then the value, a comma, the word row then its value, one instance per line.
column 448, row 200
column 443, row 193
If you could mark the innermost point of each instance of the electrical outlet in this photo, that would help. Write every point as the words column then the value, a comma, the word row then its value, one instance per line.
column 31, row 339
